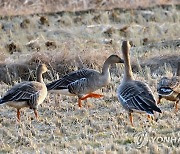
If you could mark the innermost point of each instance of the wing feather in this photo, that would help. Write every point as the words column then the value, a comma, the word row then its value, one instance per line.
column 167, row 86
column 79, row 86
column 136, row 95
column 69, row 78
column 21, row 92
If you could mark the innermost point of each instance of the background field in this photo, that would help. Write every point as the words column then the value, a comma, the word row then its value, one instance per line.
column 70, row 35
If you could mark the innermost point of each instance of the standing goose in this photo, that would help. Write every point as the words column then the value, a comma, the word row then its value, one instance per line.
column 27, row 94
column 135, row 96
column 84, row 82
column 169, row 88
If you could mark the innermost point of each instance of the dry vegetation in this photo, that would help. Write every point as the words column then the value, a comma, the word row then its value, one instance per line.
column 69, row 40
column 9, row 7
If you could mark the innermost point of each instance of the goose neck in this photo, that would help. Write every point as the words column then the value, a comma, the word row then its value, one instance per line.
column 105, row 69
column 39, row 77
column 128, row 75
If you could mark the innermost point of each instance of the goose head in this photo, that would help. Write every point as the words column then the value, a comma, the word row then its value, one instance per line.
column 42, row 68
column 114, row 59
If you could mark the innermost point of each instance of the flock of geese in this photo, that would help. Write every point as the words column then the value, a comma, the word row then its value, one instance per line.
column 134, row 96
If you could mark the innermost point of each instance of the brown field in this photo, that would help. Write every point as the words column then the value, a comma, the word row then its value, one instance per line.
column 80, row 34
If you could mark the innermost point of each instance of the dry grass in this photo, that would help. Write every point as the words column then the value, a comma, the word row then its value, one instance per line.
column 104, row 127
column 62, row 40
column 12, row 7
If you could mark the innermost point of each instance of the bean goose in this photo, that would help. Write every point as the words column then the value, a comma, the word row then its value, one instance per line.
column 135, row 96
column 169, row 88
column 27, row 94
column 84, row 82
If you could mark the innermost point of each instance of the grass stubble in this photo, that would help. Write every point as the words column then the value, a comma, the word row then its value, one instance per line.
column 101, row 126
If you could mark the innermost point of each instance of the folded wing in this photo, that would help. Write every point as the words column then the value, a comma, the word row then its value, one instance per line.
column 137, row 96
column 25, row 91
column 68, row 79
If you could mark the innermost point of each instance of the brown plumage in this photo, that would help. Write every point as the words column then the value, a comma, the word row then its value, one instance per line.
column 84, row 82
column 169, row 88
column 134, row 96
column 27, row 94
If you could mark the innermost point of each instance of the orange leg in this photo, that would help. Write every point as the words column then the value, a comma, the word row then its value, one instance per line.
column 18, row 114
column 150, row 117
column 91, row 95
column 131, row 119
column 159, row 99
column 36, row 114
column 176, row 106
column 79, row 103
column 87, row 96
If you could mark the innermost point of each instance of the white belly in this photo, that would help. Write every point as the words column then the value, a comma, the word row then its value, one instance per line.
column 139, row 111
column 18, row 105
column 42, row 96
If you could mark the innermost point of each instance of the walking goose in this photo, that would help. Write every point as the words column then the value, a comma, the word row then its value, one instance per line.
column 84, row 82
column 135, row 96
column 27, row 94
column 169, row 88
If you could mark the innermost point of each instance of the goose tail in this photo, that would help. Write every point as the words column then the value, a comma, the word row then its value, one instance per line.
column 157, row 109
column 2, row 101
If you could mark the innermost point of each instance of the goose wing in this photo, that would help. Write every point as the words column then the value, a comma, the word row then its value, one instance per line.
column 167, row 86
column 136, row 95
column 69, row 78
column 25, row 91
column 80, row 86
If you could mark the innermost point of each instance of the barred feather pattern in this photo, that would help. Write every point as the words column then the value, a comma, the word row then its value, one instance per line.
column 168, row 86
column 137, row 96
column 69, row 78
column 25, row 91
column 83, row 86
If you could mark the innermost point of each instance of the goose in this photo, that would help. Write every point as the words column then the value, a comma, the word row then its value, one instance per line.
column 134, row 95
column 84, row 82
column 169, row 88
column 27, row 93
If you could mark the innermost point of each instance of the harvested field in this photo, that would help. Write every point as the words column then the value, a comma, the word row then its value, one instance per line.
column 70, row 36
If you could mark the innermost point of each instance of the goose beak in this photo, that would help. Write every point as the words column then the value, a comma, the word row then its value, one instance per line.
column 121, row 61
